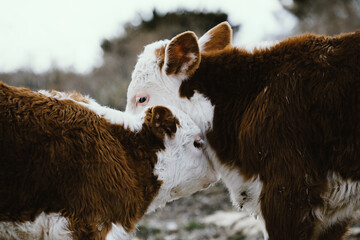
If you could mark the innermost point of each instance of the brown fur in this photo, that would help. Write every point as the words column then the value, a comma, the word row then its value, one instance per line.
column 221, row 38
column 288, row 114
column 160, row 54
column 178, row 51
column 57, row 156
column 336, row 231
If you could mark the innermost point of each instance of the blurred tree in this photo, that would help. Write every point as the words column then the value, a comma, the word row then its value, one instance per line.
column 108, row 83
column 120, row 53
column 325, row 16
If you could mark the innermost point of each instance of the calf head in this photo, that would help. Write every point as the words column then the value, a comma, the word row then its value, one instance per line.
column 182, row 166
column 164, row 65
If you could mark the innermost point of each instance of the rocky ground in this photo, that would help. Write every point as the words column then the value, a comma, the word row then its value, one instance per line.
column 205, row 215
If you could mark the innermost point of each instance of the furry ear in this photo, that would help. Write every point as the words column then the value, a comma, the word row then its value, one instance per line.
column 217, row 38
column 182, row 55
column 161, row 121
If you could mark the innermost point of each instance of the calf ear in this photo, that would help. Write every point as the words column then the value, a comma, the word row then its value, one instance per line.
column 182, row 55
column 217, row 38
column 162, row 121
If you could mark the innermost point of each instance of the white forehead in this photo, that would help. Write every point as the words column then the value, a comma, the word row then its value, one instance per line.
column 148, row 79
column 147, row 65
column 148, row 73
column 149, row 53
column 187, row 125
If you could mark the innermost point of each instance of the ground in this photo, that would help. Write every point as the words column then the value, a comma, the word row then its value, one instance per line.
column 205, row 215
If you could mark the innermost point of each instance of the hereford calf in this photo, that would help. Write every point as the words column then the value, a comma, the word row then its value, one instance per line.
column 72, row 169
column 283, row 123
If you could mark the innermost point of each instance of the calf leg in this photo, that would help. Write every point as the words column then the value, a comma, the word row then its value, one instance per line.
column 286, row 212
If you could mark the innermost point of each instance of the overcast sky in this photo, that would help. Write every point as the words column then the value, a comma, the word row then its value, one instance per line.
column 40, row 34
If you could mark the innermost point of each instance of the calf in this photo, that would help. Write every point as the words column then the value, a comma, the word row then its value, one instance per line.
column 283, row 123
column 72, row 169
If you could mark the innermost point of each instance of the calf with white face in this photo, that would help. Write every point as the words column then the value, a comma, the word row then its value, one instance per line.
column 72, row 169
column 282, row 123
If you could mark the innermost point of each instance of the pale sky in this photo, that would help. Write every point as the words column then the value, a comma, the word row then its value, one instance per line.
column 40, row 34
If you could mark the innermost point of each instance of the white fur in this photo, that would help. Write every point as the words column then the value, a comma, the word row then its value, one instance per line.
column 259, row 46
column 203, row 40
column 185, row 169
column 51, row 227
column 118, row 233
column 341, row 201
column 236, row 184
column 45, row 226
column 235, row 222
column 148, row 79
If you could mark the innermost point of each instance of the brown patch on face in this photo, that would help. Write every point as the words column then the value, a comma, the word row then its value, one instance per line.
column 220, row 37
column 162, row 121
column 160, row 55
column 284, row 116
column 60, row 157
column 179, row 53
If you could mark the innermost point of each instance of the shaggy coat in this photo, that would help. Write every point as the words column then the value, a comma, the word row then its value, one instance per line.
column 58, row 156
column 283, row 122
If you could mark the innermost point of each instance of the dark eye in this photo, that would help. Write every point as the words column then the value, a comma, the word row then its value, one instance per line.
column 199, row 143
column 141, row 99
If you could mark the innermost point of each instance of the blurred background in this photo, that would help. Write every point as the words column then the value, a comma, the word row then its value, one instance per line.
column 92, row 47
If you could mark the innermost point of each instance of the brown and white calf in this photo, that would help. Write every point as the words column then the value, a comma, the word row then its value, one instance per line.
column 282, row 123
column 72, row 169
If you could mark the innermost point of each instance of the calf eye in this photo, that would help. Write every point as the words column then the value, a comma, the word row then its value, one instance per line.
column 199, row 143
column 141, row 99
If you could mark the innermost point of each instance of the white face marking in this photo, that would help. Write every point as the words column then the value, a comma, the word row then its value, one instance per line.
column 183, row 167
column 162, row 89
column 45, row 226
